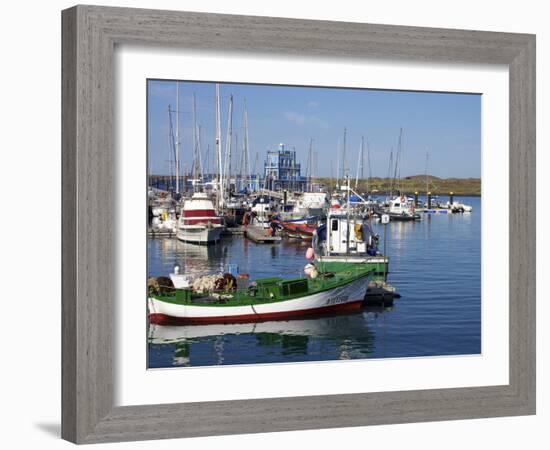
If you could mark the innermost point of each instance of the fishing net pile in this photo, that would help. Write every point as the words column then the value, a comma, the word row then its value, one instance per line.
column 222, row 282
column 160, row 285
column 210, row 283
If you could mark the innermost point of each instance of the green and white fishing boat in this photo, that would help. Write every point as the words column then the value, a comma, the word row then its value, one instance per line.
column 265, row 299
column 347, row 241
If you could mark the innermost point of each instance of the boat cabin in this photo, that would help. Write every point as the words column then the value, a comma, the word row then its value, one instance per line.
column 341, row 236
column 401, row 205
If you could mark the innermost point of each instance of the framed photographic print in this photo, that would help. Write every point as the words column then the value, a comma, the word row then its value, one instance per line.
column 265, row 229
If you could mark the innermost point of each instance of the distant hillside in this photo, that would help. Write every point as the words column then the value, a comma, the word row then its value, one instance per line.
column 417, row 183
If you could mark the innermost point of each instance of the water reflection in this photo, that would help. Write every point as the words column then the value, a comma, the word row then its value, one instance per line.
column 329, row 337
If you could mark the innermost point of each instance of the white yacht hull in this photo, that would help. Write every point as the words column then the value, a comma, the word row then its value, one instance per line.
column 197, row 234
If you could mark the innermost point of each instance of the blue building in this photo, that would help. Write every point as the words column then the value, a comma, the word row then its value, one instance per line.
column 281, row 171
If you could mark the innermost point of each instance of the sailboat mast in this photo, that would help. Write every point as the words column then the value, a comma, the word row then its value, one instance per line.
column 347, row 217
column 247, row 150
column 344, row 168
column 219, row 147
column 199, row 153
column 337, row 162
column 369, row 167
column 398, row 157
column 228, row 145
column 177, row 137
column 359, row 163
column 427, row 182
column 310, row 165
column 170, row 148
column 195, row 142
column 390, row 177
column 257, row 167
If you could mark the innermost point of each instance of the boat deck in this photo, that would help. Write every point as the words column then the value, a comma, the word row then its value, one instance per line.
column 233, row 231
column 260, row 236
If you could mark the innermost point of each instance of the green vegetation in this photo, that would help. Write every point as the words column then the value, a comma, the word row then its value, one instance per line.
column 417, row 183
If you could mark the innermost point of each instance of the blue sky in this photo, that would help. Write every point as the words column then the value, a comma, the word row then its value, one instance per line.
column 447, row 126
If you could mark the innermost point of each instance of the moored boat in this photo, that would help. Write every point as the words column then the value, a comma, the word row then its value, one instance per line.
column 457, row 207
column 265, row 299
column 299, row 230
column 402, row 209
column 346, row 240
column 198, row 222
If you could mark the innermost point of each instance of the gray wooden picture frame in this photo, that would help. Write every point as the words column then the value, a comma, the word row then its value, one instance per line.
column 90, row 34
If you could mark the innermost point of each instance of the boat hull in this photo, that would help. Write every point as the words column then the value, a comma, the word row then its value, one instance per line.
column 163, row 319
column 200, row 234
column 404, row 217
column 342, row 298
column 299, row 230
column 378, row 264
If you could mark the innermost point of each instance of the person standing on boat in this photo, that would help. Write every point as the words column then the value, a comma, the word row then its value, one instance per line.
column 273, row 226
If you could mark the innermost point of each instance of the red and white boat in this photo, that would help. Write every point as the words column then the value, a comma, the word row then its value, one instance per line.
column 198, row 222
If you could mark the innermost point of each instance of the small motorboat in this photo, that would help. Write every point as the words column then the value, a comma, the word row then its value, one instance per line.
column 298, row 230
column 401, row 209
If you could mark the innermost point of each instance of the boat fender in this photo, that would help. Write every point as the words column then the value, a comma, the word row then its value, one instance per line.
column 309, row 268
column 310, row 254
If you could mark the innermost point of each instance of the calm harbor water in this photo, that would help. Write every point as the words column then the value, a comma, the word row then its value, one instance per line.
column 435, row 264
